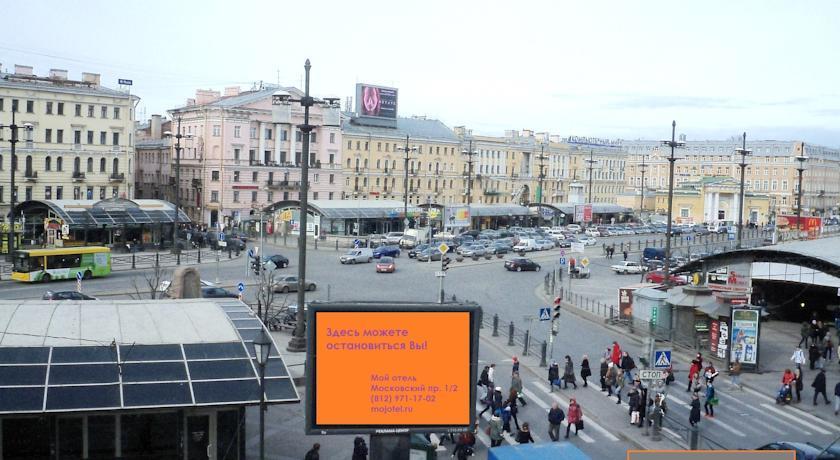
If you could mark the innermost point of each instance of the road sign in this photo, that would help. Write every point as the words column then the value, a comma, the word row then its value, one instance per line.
column 731, row 236
column 241, row 287
column 78, row 276
column 440, row 274
column 562, row 253
column 125, row 81
column 545, row 314
column 651, row 374
column 563, row 261
column 356, row 244
column 662, row 359
column 222, row 244
column 443, row 248
column 251, row 252
column 585, row 262
column 405, row 222
column 221, row 236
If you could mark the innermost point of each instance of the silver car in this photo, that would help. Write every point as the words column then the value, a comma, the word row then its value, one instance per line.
column 475, row 250
column 289, row 283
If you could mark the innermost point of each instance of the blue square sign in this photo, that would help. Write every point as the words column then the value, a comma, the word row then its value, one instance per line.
column 662, row 359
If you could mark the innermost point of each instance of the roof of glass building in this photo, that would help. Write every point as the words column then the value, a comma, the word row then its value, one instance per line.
column 110, row 212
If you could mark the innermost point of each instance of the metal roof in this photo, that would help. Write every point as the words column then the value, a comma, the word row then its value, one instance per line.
column 110, row 212
column 9, row 80
column 498, row 210
column 416, row 128
column 597, row 208
column 108, row 355
column 351, row 209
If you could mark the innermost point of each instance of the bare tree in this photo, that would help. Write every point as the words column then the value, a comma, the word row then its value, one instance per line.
column 150, row 282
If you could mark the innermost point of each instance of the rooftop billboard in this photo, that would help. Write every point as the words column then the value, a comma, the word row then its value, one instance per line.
column 376, row 101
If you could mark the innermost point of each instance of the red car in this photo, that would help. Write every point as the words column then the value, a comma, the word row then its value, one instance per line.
column 658, row 276
column 385, row 265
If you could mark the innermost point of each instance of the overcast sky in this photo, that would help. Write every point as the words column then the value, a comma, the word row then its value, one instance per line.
column 621, row 69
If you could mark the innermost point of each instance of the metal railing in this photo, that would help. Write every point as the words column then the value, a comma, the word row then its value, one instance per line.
column 692, row 436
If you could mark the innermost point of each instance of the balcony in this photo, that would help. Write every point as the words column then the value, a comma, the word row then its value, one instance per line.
column 30, row 175
column 387, row 172
column 78, row 176
column 117, row 177
column 172, row 181
column 283, row 185
column 196, row 183
column 492, row 192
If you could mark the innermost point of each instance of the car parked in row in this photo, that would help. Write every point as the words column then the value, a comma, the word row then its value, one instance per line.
column 658, row 276
column 212, row 292
column 627, row 267
column 356, row 255
column 66, row 295
column 424, row 255
column 520, row 264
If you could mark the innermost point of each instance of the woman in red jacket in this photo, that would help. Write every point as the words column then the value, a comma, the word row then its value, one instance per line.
column 696, row 365
column 616, row 354
column 574, row 416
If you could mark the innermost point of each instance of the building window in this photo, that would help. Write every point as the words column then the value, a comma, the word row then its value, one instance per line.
column 254, row 176
column 115, row 192
column 683, row 212
column 784, row 185
column 90, row 165
column 48, row 192
column 77, row 192
column 236, row 196
column 15, row 105
column 30, row 106
column 299, row 137
column 236, row 176
column 59, row 166
column 314, row 195
column 78, row 110
column 332, row 178
column 332, row 138
column 116, row 113
column 49, row 108
column 253, row 132
column 236, row 130
column 254, row 196
column 77, row 137
column 27, row 193
column 116, row 138
column 102, row 192
column 59, row 192
column 214, row 176
column 47, row 135
column 217, row 130
column 268, row 133
column 103, row 112
column 59, row 136
column 236, row 154
column 214, row 196
column 47, row 164
column 89, row 193
column 349, row 145
column 312, row 137
column 103, row 137
column 90, row 111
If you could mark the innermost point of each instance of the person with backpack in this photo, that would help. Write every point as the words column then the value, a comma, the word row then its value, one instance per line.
column 694, row 370
column 360, row 449
column 555, row 421
column 506, row 419
column 494, row 429
column 484, row 381
column 524, row 435
column 694, row 414
column 554, row 376
column 627, row 365
column 462, row 448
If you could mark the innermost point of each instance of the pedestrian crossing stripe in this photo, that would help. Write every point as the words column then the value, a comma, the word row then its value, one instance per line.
column 663, row 359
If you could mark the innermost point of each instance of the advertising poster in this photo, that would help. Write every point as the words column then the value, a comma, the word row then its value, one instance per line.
column 457, row 216
column 376, row 101
column 625, row 302
column 587, row 213
column 744, row 336
column 714, row 336
column 579, row 213
column 399, row 368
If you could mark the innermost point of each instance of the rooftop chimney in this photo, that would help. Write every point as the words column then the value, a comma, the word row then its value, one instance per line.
column 527, row 133
column 154, row 126
column 92, row 78
column 23, row 69
column 58, row 74
column 232, row 91
column 206, row 96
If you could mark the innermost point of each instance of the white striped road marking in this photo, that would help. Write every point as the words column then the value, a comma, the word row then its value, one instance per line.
column 677, row 438
column 598, row 390
column 482, row 436
column 794, row 418
column 726, row 427
column 591, row 423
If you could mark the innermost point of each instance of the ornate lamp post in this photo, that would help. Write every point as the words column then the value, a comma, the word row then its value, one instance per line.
column 743, row 164
column 673, row 143
column 13, row 140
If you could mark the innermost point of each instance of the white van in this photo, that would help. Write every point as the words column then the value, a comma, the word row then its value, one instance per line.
column 526, row 245
column 356, row 255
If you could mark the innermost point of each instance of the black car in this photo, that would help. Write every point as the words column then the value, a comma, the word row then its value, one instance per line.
column 279, row 260
column 520, row 264
column 217, row 293
column 412, row 253
column 804, row 451
column 66, row 295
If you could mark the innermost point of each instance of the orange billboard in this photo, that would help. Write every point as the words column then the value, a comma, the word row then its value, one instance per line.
column 390, row 367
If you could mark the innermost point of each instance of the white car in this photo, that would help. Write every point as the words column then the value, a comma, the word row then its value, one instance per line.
column 587, row 240
column 543, row 245
column 592, row 232
column 627, row 267
column 574, row 228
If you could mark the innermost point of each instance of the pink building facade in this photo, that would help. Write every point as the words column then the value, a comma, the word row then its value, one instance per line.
column 241, row 157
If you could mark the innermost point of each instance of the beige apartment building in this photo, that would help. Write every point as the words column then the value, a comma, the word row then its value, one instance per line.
column 771, row 170
column 81, row 143
column 154, row 176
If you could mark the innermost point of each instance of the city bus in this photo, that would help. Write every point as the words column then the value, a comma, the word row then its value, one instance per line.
column 32, row 265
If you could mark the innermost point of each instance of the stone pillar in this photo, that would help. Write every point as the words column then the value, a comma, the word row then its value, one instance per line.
column 261, row 134
column 292, row 140
column 707, row 208
column 278, row 146
column 715, row 206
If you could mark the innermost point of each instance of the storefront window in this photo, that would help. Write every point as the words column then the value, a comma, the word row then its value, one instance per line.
column 26, row 438
column 150, row 436
column 101, row 437
column 70, row 437
column 227, row 433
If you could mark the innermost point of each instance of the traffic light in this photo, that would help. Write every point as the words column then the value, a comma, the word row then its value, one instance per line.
column 444, row 263
column 255, row 265
column 557, row 301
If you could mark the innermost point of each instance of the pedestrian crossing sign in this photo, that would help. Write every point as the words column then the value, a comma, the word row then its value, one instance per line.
column 662, row 359
column 545, row 314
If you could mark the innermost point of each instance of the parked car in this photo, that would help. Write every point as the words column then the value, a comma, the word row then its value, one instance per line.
column 627, row 267
column 588, row 240
column 66, row 295
column 163, row 287
column 500, row 247
column 412, row 253
column 658, row 276
column 279, row 260
column 427, row 253
column 525, row 245
column 393, row 237
column 386, row 265
column 804, row 451
column 654, row 264
column 217, row 293
column 567, row 243
column 389, row 251
column 591, row 231
column 289, row 283
column 475, row 250
column 520, row 264
column 544, row 245
column 356, row 255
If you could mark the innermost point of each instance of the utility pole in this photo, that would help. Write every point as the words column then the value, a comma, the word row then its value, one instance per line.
column 801, row 169
column 541, row 158
column 743, row 164
column 642, row 168
column 470, row 153
column 178, row 137
column 13, row 140
column 591, row 162
column 673, row 143
column 408, row 151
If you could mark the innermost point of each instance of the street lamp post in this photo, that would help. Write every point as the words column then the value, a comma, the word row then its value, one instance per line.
column 642, row 167
column 298, row 341
column 470, row 153
column 178, row 136
column 673, row 143
column 13, row 140
column 801, row 169
column 541, row 158
column 591, row 162
column 262, row 348
column 743, row 164
column 408, row 151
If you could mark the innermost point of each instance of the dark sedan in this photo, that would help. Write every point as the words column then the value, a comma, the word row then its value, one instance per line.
column 279, row 260
column 386, row 251
column 412, row 253
column 66, row 295
column 520, row 264
column 428, row 252
column 217, row 293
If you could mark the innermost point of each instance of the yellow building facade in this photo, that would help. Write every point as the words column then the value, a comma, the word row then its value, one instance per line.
column 713, row 200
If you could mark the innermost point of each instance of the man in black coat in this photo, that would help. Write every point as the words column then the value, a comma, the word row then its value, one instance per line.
column 813, row 355
column 819, row 386
column 554, row 375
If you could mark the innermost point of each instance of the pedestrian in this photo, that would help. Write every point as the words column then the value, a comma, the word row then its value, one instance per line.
column 494, row 402
column 604, row 248
column 837, row 399
column 313, row 454
column 360, row 449
column 506, row 419
column 615, row 355
column 603, row 374
column 634, row 400
column 798, row 357
column 813, row 355
column 555, row 421
column 694, row 370
column 804, row 332
column 607, row 353
column 829, row 348
column 463, row 448
column 798, row 384
column 694, row 415
column 710, row 373
column 524, row 435
column 585, row 372
column 669, row 375
column 815, row 331
column 575, row 417
column 554, row 376
column 491, row 375
column 494, row 429
column 569, row 373
column 484, row 381
column 735, row 374
column 515, row 367
column 711, row 400
column 819, row 386
column 625, row 255
column 516, row 386
column 611, row 378
column 627, row 365
column 514, row 408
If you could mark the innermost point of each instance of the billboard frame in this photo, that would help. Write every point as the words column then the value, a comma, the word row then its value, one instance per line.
column 310, row 427
column 359, row 101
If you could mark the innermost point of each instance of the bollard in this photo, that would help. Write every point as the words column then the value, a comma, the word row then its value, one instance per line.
column 480, row 316
column 639, row 246
column 177, row 257
column 693, row 437
column 543, row 352
column 495, row 325
column 133, row 265
column 157, row 259
column 527, row 342
column 336, row 245
column 316, row 243
column 230, row 254
column 510, row 334
column 199, row 255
